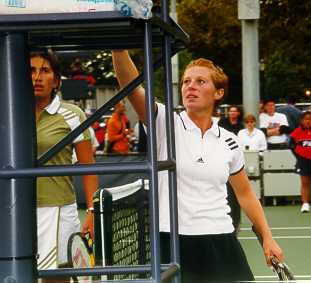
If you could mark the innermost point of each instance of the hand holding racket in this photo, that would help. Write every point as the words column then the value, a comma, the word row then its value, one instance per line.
column 88, row 224
column 80, row 254
column 280, row 268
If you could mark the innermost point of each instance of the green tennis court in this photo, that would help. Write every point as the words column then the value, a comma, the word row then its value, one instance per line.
column 292, row 230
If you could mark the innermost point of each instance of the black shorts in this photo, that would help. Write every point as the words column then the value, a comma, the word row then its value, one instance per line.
column 209, row 258
column 277, row 145
column 303, row 166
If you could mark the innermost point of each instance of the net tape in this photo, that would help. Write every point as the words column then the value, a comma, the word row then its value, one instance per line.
column 130, row 226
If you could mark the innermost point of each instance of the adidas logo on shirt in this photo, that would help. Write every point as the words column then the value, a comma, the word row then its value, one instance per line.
column 200, row 160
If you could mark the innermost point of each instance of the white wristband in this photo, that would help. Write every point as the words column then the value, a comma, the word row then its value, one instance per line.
column 90, row 209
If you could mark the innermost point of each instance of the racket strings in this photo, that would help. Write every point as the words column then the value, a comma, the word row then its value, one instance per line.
column 282, row 270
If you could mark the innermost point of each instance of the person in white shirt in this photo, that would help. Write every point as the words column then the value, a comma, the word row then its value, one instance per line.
column 252, row 138
column 274, row 125
column 206, row 157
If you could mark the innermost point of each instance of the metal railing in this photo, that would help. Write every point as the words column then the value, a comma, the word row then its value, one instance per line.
column 19, row 166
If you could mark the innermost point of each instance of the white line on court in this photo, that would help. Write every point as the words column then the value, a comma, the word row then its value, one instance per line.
column 282, row 228
column 274, row 276
column 294, row 281
column 277, row 237
column 298, row 278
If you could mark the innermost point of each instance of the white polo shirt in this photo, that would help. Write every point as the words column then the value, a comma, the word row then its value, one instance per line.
column 271, row 122
column 203, row 167
column 255, row 140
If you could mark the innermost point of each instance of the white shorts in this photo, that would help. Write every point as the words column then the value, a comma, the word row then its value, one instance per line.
column 54, row 227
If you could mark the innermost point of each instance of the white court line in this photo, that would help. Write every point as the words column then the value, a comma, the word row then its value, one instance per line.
column 277, row 237
column 282, row 228
column 274, row 276
column 294, row 281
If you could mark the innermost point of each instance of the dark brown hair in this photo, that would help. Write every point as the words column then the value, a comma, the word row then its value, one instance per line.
column 51, row 57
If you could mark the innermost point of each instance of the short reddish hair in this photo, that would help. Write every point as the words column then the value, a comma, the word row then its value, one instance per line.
column 219, row 78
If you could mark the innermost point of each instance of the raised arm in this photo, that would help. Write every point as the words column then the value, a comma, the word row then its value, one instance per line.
column 126, row 72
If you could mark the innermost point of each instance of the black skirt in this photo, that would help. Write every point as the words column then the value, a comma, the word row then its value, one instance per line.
column 209, row 258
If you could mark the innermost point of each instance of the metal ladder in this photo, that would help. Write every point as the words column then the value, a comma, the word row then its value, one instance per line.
column 18, row 35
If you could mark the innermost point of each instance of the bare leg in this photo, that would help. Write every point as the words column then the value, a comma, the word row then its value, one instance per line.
column 305, row 188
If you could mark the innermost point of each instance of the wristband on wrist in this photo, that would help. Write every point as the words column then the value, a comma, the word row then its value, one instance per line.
column 90, row 209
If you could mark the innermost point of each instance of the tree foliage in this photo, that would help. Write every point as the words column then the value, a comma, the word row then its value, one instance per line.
column 285, row 33
column 215, row 32
column 285, row 38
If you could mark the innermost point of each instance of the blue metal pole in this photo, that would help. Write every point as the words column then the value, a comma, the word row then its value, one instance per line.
column 17, row 143
column 152, row 158
column 171, row 150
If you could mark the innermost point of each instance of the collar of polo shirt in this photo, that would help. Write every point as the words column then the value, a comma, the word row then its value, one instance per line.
column 53, row 106
column 190, row 125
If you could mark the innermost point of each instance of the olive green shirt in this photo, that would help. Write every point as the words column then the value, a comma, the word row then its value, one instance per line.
column 55, row 122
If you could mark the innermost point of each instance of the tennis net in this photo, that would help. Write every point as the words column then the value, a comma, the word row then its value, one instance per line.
column 122, row 227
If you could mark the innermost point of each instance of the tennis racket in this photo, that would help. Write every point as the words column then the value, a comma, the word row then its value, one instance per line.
column 280, row 268
column 80, row 254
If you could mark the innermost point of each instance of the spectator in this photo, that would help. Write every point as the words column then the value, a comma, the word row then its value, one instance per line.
column 301, row 145
column 79, row 73
column 292, row 113
column 94, row 141
column 117, row 132
column 274, row 125
column 206, row 157
column 234, row 124
column 141, row 136
column 252, row 138
column 260, row 107
column 57, row 215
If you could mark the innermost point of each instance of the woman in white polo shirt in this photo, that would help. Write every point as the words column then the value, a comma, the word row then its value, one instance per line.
column 252, row 138
column 206, row 157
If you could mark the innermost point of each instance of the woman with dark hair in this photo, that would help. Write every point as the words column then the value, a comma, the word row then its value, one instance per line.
column 207, row 156
column 234, row 124
column 234, row 121
column 57, row 215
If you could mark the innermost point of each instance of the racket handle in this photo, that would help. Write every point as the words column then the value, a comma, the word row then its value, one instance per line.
column 278, row 267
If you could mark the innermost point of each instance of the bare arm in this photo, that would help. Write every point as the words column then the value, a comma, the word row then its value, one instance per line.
column 126, row 72
column 273, row 132
column 90, row 182
column 255, row 213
